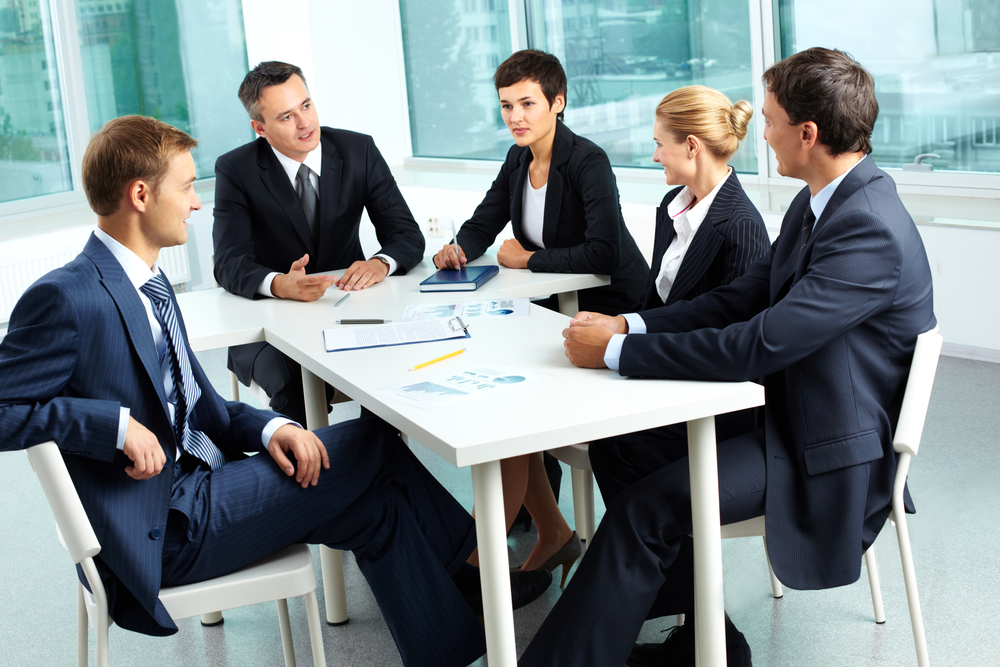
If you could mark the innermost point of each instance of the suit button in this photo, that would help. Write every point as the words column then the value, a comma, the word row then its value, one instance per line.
column 156, row 533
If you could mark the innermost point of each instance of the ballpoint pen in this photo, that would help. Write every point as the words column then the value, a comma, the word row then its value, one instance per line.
column 454, row 240
column 363, row 321
column 341, row 299
column 434, row 361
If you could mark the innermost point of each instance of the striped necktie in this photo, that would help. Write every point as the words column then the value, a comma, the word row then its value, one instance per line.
column 187, row 391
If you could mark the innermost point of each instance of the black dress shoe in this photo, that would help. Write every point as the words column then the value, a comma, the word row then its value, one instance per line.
column 677, row 650
column 525, row 587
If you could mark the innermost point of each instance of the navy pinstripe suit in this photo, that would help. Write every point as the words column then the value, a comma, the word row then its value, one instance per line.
column 583, row 228
column 80, row 347
column 831, row 328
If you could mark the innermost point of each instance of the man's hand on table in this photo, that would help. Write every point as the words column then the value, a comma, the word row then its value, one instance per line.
column 298, row 285
column 362, row 274
column 586, row 338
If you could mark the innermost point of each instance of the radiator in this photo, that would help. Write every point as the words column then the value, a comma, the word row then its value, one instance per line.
column 25, row 260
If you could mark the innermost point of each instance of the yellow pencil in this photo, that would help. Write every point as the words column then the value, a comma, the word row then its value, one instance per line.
column 434, row 361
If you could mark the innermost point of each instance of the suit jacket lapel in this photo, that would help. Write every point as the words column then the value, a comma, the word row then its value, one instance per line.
column 329, row 193
column 562, row 144
column 132, row 311
column 706, row 241
column 275, row 179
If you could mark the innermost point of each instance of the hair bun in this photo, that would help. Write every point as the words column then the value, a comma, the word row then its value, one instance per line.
column 739, row 118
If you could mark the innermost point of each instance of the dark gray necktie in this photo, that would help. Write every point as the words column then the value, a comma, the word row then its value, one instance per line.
column 807, row 224
column 308, row 196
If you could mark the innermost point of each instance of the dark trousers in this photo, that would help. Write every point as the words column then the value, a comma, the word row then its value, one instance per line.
column 408, row 534
column 277, row 375
column 640, row 564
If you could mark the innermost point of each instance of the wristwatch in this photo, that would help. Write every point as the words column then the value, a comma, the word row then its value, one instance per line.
column 384, row 261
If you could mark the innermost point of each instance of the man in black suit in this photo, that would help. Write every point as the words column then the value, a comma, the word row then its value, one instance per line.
column 285, row 211
column 829, row 320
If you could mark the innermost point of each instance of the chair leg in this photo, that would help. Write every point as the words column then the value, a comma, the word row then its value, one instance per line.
column 583, row 504
column 103, row 625
column 910, row 579
column 776, row 589
column 234, row 386
column 871, row 563
column 315, row 630
column 82, row 628
column 211, row 619
column 334, row 590
column 286, row 632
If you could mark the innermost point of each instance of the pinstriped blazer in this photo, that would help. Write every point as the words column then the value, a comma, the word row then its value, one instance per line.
column 79, row 347
column 583, row 228
column 731, row 237
column 831, row 327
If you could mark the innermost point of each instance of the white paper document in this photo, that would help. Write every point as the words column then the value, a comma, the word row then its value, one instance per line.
column 446, row 388
column 468, row 310
column 394, row 333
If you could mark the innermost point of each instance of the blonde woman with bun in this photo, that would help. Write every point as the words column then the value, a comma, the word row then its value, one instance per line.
column 707, row 231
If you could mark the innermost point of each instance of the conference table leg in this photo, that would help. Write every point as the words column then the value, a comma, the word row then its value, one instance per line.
column 331, row 560
column 494, row 570
column 569, row 305
column 709, row 605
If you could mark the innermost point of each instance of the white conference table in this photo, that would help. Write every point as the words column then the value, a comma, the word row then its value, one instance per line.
column 574, row 405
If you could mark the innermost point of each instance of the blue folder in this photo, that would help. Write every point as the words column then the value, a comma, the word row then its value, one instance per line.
column 462, row 280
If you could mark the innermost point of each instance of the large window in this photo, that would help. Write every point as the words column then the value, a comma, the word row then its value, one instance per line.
column 34, row 159
column 937, row 72
column 177, row 60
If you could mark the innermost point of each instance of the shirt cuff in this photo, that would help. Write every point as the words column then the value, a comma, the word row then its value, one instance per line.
column 272, row 426
column 613, row 352
column 265, row 285
column 390, row 261
column 122, row 427
column 636, row 325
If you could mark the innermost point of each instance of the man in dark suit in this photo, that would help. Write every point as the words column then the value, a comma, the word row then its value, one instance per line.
column 829, row 320
column 97, row 359
column 285, row 211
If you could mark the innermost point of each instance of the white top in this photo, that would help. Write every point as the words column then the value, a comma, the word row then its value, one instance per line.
column 139, row 274
column 314, row 160
column 687, row 220
column 533, row 212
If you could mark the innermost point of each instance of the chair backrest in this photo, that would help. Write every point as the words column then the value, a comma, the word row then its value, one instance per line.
column 77, row 534
column 918, row 392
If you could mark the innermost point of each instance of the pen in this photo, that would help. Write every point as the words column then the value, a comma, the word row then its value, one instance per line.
column 434, row 361
column 362, row 321
column 341, row 299
column 454, row 240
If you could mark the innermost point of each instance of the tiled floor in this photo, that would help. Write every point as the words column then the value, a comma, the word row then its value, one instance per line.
column 955, row 540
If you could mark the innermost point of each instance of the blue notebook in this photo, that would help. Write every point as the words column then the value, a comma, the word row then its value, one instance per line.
column 463, row 280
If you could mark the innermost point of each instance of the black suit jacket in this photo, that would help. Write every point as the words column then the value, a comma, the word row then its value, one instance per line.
column 583, row 228
column 260, row 227
column 731, row 237
column 831, row 327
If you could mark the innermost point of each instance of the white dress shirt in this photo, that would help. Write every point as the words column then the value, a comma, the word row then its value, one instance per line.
column 533, row 212
column 314, row 160
column 138, row 274
column 636, row 325
column 687, row 220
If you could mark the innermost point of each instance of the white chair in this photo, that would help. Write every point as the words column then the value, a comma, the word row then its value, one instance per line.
column 281, row 576
column 906, row 443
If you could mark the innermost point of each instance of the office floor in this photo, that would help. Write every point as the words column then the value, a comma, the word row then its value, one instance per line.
column 954, row 534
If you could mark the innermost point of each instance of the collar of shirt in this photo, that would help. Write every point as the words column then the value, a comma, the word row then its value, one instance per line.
column 822, row 198
column 136, row 270
column 314, row 160
column 696, row 214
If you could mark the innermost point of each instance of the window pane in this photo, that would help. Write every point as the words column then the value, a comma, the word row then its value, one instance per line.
column 452, row 48
column 181, row 61
column 34, row 159
column 937, row 72
column 621, row 57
